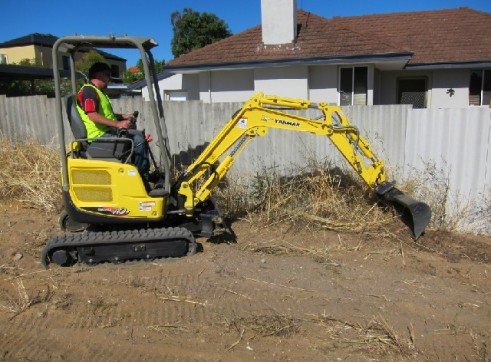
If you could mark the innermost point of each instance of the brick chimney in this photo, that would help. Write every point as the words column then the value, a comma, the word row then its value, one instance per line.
column 279, row 21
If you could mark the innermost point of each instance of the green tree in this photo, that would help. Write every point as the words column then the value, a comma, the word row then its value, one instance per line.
column 194, row 30
column 85, row 62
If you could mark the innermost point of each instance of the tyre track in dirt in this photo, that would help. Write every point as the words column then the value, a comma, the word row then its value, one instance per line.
column 308, row 296
column 180, row 304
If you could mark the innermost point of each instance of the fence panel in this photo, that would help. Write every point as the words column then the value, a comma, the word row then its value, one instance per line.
column 455, row 144
column 455, row 141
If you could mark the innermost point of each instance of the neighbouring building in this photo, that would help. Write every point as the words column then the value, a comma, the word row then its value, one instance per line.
column 430, row 59
column 38, row 49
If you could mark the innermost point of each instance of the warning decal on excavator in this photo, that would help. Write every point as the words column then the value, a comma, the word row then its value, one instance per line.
column 146, row 206
column 242, row 123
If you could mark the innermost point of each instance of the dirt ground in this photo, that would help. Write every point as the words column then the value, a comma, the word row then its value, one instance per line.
column 276, row 294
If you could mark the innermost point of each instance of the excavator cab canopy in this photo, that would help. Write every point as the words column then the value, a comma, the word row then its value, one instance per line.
column 70, row 45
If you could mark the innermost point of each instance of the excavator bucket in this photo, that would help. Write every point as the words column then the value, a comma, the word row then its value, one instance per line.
column 415, row 214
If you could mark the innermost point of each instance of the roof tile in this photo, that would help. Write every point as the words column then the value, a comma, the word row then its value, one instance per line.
column 454, row 35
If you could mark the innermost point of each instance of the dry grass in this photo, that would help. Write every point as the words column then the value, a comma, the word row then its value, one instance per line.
column 266, row 325
column 30, row 173
column 319, row 196
column 377, row 335
column 23, row 301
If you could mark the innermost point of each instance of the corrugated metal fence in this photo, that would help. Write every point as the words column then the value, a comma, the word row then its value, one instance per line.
column 452, row 142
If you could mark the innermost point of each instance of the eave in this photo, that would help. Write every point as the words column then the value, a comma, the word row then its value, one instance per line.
column 391, row 60
column 450, row 65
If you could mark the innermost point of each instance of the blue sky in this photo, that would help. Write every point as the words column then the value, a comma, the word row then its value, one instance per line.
column 152, row 17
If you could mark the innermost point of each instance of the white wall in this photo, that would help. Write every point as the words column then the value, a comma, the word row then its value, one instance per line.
column 182, row 83
column 284, row 81
column 323, row 84
column 443, row 80
column 439, row 81
column 226, row 86
column 317, row 83
column 173, row 82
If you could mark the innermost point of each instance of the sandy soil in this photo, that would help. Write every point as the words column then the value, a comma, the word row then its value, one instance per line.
column 276, row 294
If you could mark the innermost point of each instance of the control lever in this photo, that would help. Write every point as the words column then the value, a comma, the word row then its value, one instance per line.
column 133, row 120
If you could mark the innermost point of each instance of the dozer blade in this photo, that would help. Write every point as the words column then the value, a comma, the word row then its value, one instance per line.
column 415, row 214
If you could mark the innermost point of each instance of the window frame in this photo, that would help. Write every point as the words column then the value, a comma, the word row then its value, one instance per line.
column 484, row 87
column 353, row 84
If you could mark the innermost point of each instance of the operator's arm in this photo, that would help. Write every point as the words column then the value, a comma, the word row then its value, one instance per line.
column 100, row 119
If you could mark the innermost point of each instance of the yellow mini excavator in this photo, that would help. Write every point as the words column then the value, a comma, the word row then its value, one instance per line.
column 122, row 220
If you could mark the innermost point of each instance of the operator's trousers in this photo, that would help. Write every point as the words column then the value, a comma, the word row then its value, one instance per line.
column 140, row 151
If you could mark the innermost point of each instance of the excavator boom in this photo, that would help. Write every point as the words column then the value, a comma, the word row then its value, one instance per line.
column 263, row 112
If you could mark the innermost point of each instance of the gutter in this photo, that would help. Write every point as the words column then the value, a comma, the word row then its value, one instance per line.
column 456, row 65
column 376, row 58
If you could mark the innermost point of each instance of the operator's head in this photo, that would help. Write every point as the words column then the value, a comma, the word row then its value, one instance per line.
column 99, row 69
column 100, row 75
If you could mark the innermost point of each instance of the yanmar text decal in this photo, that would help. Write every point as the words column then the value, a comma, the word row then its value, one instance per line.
column 287, row 123
column 115, row 211
column 281, row 121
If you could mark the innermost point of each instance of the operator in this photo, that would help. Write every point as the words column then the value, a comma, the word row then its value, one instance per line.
column 97, row 114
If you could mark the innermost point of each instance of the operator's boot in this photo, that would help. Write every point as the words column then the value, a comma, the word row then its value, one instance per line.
column 156, row 179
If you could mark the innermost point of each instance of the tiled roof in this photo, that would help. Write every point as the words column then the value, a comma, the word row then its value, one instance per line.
column 441, row 36
column 317, row 38
column 455, row 35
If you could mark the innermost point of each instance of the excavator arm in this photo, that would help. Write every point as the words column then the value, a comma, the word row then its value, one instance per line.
column 262, row 112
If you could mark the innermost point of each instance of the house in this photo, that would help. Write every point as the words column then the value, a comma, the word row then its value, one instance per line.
column 38, row 49
column 430, row 59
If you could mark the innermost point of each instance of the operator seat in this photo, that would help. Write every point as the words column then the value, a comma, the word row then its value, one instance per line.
column 117, row 149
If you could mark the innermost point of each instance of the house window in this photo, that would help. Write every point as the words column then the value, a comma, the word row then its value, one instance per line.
column 176, row 95
column 412, row 91
column 353, row 86
column 65, row 59
column 480, row 88
column 115, row 71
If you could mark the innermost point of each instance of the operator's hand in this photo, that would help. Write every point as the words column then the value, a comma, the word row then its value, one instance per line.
column 124, row 124
column 148, row 138
column 128, row 115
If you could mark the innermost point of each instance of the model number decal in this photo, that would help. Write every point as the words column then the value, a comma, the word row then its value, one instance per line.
column 115, row 211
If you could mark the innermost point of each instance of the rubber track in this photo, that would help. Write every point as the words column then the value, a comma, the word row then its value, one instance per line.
column 94, row 238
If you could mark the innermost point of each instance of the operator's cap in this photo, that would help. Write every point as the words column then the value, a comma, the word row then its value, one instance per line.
column 98, row 67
